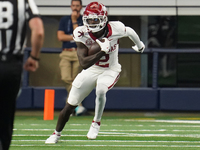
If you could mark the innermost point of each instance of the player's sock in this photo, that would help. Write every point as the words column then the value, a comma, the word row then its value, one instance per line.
column 56, row 132
column 99, row 123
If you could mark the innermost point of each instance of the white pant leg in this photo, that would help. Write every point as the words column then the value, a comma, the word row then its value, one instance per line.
column 105, row 82
column 83, row 84
column 108, row 78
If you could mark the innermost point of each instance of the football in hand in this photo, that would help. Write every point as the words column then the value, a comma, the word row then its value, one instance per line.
column 94, row 48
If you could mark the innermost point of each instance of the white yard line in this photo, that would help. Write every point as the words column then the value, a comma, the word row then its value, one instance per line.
column 112, row 130
column 56, row 145
column 156, row 120
column 171, row 121
column 111, row 141
column 121, row 135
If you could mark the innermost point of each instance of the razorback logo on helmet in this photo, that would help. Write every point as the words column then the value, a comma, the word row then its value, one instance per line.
column 94, row 6
column 95, row 10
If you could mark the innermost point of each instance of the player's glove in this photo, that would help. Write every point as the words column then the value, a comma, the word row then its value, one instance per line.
column 105, row 46
column 139, row 49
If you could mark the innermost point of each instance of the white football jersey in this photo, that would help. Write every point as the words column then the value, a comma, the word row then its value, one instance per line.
column 116, row 30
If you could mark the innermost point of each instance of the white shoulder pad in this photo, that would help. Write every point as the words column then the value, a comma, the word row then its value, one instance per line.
column 78, row 33
column 118, row 27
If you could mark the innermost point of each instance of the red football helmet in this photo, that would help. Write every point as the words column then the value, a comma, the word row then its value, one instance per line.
column 95, row 16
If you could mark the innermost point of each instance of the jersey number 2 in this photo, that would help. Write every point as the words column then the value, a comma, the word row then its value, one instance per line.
column 103, row 61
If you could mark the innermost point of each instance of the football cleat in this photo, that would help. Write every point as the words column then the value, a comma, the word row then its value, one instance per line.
column 80, row 110
column 93, row 131
column 53, row 139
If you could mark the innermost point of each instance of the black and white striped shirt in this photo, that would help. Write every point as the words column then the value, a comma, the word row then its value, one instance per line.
column 14, row 16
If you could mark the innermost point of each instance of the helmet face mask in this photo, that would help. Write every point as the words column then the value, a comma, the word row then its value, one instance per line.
column 95, row 16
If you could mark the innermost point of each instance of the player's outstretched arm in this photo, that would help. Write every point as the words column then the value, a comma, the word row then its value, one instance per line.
column 139, row 45
column 85, row 60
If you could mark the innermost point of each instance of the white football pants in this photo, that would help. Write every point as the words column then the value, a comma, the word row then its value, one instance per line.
column 86, row 81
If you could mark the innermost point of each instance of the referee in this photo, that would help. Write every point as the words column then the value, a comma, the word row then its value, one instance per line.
column 14, row 16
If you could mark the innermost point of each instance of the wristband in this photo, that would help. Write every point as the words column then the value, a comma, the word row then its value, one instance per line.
column 34, row 58
column 75, row 23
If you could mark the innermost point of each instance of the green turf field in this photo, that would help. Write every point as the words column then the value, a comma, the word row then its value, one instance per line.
column 120, row 132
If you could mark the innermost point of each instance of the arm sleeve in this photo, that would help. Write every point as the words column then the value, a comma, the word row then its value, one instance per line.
column 61, row 24
column 31, row 10
column 133, row 36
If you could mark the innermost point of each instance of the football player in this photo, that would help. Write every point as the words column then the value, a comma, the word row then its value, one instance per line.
column 100, row 70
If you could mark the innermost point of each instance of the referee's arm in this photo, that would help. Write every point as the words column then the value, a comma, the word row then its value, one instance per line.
column 37, row 35
column 37, row 38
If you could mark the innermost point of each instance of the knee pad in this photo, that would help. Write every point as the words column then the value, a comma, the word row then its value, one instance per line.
column 101, row 90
